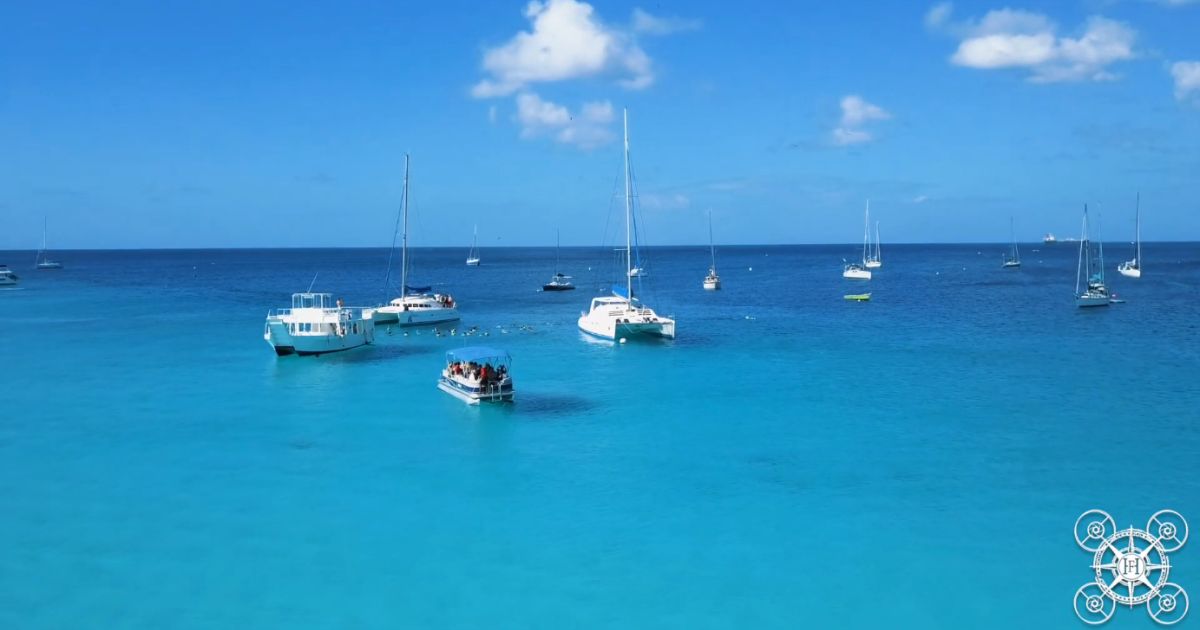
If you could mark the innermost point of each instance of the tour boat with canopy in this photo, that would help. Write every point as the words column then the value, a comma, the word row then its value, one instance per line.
column 477, row 374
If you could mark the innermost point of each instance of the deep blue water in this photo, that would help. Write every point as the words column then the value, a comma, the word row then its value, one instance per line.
column 791, row 460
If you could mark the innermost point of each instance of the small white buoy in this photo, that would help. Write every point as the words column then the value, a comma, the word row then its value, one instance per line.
column 622, row 340
column 750, row 269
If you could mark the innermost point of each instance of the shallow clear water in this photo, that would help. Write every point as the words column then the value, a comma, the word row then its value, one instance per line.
column 792, row 459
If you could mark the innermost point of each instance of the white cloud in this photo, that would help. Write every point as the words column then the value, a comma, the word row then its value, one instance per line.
column 652, row 25
column 1009, row 38
column 492, row 114
column 1187, row 80
column 669, row 201
column 920, row 199
column 566, row 41
column 938, row 14
column 856, row 113
column 587, row 129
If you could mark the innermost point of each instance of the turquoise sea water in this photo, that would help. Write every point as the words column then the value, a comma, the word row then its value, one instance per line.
column 791, row 460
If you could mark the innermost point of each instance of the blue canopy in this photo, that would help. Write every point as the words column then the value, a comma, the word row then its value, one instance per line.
column 477, row 354
column 410, row 289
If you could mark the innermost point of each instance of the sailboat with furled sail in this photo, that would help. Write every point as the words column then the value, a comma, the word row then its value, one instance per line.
column 1090, row 289
column 1133, row 268
column 712, row 281
column 43, row 261
column 1012, row 259
column 560, row 281
column 415, row 306
column 861, row 271
column 622, row 314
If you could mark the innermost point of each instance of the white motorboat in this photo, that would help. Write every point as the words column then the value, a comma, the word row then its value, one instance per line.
column 1049, row 239
column 712, row 281
column 1133, row 268
column 855, row 271
column 1090, row 289
column 7, row 277
column 43, row 261
column 622, row 314
column 416, row 306
column 473, row 254
column 317, row 325
column 477, row 374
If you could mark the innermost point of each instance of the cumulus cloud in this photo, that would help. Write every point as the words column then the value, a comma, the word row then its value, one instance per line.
column 856, row 114
column 586, row 129
column 566, row 40
column 1187, row 80
column 1010, row 38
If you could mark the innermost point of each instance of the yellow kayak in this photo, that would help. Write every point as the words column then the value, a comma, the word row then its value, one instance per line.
column 858, row 297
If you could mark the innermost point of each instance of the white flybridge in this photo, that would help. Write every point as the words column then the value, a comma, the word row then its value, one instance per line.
column 1090, row 289
column 712, row 281
column 622, row 314
column 861, row 271
column 473, row 255
column 1133, row 268
column 415, row 306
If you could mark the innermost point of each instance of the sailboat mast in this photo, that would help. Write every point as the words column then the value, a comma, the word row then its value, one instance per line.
column 628, row 213
column 866, row 230
column 557, row 246
column 1082, row 244
column 404, row 234
column 878, row 255
column 712, row 249
column 1137, row 230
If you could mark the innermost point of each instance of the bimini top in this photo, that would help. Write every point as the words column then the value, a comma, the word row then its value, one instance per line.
column 312, row 300
column 478, row 354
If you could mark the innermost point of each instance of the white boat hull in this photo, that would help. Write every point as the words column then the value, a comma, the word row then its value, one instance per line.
column 473, row 395
column 856, row 274
column 712, row 284
column 1130, row 272
column 874, row 264
column 424, row 317
column 7, row 281
column 472, row 262
column 615, row 328
column 285, row 343
column 1089, row 300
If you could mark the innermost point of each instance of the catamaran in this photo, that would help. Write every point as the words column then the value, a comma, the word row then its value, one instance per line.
column 560, row 281
column 1012, row 259
column 473, row 254
column 712, row 281
column 622, row 313
column 415, row 306
column 316, row 325
column 1090, row 289
column 43, row 262
column 1133, row 268
column 860, row 271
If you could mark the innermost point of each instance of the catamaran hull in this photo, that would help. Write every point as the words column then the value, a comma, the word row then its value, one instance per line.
column 425, row 317
column 612, row 331
column 284, row 343
column 1088, row 301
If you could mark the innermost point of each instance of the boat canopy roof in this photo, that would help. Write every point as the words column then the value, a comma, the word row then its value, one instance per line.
column 312, row 300
column 478, row 354
column 411, row 289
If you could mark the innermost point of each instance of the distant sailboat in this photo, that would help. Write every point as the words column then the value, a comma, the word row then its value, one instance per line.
column 473, row 255
column 712, row 281
column 1089, row 276
column 560, row 281
column 44, row 262
column 1133, row 268
column 874, row 260
column 857, row 271
column 1012, row 259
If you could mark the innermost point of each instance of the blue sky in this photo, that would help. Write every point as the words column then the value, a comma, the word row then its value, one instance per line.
column 239, row 124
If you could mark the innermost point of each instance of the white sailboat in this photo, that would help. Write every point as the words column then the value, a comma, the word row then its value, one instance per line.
column 43, row 262
column 560, row 281
column 874, row 260
column 860, row 271
column 1133, row 268
column 622, row 313
column 473, row 255
column 416, row 306
column 712, row 281
column 1090, row 289
column 1012, row 259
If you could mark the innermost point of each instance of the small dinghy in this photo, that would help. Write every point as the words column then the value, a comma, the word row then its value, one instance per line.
column 857, row 297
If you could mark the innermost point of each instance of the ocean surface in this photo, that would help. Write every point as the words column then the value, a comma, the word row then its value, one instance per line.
column 790, row 460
